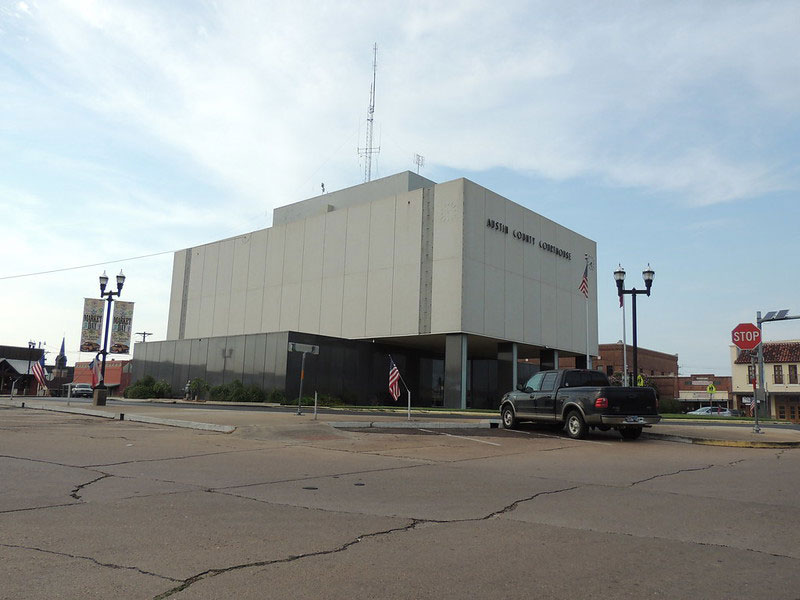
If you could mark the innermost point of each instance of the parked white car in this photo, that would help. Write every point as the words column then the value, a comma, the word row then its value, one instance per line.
column 712, row 411
column 82, row 390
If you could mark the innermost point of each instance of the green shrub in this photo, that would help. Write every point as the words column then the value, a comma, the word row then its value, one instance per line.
column 219, row 393
column 323, row 400
column 162, row 389
column 276, row 396
column 198, row 388
column 141, row 389
column 236, row 392
column 670, row 406
column 147, row 387
column 253, row 393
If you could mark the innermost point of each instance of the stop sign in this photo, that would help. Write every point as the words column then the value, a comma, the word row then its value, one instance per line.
column 746, row 336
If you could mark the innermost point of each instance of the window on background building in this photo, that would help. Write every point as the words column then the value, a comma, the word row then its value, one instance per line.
column 778, row 374
column 792, row 373
column 609, row 370
column 751, row 373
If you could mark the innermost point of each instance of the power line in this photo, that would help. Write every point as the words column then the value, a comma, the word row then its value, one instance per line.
column 105, row 262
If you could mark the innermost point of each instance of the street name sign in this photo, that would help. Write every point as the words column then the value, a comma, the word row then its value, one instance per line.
column 295, row 347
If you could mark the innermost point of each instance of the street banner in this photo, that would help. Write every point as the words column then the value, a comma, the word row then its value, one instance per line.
column 121, row 326
column 92, row 328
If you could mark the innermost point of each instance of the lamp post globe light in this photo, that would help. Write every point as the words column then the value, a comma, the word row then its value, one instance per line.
column 619, row 276
column 101, row 391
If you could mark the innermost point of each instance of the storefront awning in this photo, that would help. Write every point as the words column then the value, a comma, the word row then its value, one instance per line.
column 20, row 367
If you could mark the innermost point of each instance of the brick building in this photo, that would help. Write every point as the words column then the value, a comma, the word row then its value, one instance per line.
column 693, row 391
column 661, row 369
column 118, row 375
column 651, row 363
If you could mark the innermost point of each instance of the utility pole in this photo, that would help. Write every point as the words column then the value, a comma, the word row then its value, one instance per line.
column 144, row 335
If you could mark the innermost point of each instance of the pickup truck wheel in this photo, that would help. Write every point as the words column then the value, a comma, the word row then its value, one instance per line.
column 576, row 426
column 509, row 420
column 631, row 433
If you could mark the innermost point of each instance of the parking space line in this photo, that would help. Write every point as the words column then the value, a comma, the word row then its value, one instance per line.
column 461, row 437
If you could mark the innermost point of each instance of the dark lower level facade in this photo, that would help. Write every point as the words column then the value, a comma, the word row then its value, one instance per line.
column 780, row 406
column 449, row 370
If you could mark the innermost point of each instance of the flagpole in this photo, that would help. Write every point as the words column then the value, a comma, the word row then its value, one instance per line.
column 588, row 360
column 408, row 389
column 586, row 295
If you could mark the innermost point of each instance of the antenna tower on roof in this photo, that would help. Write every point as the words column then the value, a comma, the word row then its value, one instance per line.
column 369, row 150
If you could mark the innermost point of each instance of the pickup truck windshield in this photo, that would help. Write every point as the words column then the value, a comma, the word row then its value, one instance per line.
column 584, row 379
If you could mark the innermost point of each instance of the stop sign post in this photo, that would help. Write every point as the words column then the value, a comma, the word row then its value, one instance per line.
column 746, row 336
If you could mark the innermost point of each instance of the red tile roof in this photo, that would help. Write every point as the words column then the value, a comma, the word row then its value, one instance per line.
column 775, row 352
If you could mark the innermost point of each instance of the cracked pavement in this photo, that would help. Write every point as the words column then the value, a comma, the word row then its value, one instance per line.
column 91, row 508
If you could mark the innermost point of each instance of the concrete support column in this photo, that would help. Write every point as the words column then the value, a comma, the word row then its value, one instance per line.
column 506, row 366
column 548, row 359
column 455, row 370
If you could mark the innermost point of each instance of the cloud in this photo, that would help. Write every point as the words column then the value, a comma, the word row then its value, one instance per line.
column 253, row 93
column 136, row 127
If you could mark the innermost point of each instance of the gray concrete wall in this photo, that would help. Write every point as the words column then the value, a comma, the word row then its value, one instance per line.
column 351, row 273
column 419, row 261
column 513, row 289
column 352, row 196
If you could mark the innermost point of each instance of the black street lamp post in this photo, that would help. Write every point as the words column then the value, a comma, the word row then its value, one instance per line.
column 619, row 276
column 31, row 346
column 101, row 391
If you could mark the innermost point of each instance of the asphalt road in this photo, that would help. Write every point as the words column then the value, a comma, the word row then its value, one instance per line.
column 93, row 508
column 428, row 415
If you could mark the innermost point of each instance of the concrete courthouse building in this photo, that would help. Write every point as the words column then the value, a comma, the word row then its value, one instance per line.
column 453, row 281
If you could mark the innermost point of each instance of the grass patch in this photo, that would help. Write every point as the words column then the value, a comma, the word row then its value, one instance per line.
column 685, row 417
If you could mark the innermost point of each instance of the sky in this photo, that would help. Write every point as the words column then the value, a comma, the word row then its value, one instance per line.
column 668, row 132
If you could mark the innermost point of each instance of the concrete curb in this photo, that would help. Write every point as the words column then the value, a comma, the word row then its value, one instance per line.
column 483, row 424
column 121, row 416
column 62, row 409
column 179, row 423
column 726, row 443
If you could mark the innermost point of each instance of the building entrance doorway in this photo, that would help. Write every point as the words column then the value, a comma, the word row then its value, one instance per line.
column 788, row 408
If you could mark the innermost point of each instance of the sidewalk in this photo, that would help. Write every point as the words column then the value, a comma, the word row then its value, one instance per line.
column 712, row 434
column 201, row 416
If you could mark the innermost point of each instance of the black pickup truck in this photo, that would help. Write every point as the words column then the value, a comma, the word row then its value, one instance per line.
column 580, row 399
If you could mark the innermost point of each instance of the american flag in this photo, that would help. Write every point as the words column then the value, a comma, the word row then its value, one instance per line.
column 394, row 380
column 38, row 371
column 584, row 286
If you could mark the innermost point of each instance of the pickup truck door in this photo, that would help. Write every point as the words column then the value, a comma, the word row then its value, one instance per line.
column 545, row 398
column 524, row 398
